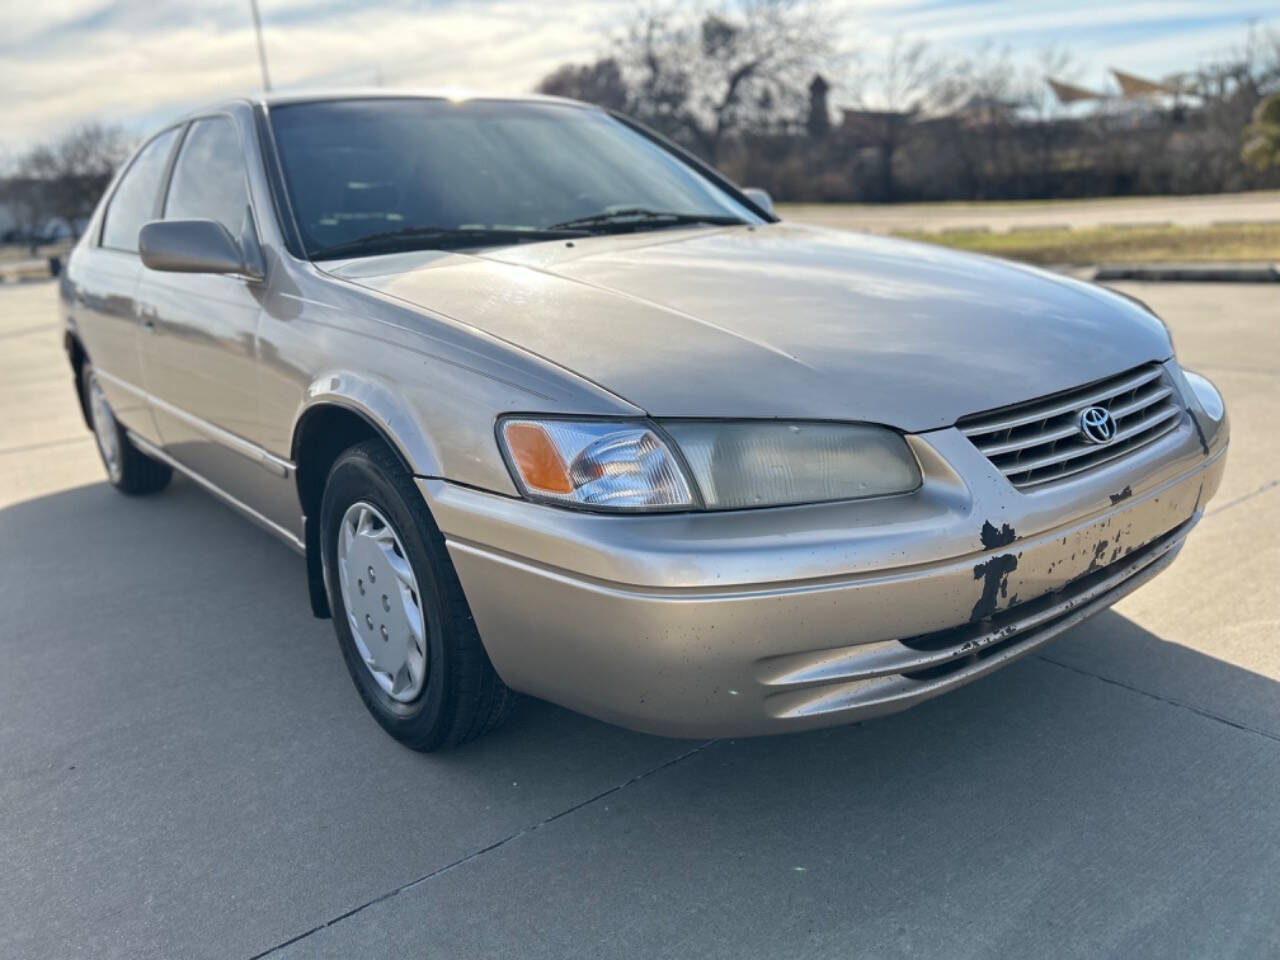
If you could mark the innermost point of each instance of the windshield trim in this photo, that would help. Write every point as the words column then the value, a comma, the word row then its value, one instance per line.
column 273, row 167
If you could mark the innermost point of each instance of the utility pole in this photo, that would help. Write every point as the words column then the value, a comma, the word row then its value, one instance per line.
column 262, row 50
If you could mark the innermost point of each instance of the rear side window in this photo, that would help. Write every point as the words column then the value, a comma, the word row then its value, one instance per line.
column 208, row 179
column 134, row 202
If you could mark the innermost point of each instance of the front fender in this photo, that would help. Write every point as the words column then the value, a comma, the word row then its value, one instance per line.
column 385, row 409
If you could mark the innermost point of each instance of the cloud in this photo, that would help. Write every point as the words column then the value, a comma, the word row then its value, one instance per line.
column 140, row 62
column 77, row 61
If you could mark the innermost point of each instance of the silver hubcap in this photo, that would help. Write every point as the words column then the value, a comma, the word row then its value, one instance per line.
column 384, row 607
column 104, row 429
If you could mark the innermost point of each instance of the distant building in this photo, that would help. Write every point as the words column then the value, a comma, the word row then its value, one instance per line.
column 1069, row 93
column 1134, row 93
column 819, row 121
column 1132, row 87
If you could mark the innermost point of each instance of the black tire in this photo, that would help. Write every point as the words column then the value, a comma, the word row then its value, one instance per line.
column 136, row 474
column 462, row 696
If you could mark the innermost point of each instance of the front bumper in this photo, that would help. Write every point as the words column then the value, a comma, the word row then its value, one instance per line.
column 765, row 621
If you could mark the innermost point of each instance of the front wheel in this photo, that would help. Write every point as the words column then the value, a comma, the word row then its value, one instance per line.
column 129, row 469
column 403, row 624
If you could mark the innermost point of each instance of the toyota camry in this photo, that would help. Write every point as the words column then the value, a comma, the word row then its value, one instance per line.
column 550, row 406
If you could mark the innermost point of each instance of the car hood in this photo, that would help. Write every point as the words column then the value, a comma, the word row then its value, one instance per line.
column 783, row 321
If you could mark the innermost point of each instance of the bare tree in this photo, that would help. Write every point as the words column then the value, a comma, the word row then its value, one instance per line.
column 741, row 66
column 1248, row 71
column 71, row 172
column 729, row 78
column 600, row 83
column 975, row 102
column 915, row 78
column 908, row 81
column 1228, row 88
column 1053, row 62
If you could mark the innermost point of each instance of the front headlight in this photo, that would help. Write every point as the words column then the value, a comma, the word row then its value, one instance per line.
column 722, row 465
column 593, row 463
column 773, row 463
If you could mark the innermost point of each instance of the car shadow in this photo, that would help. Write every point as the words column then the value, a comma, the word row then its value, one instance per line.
column 176, row 724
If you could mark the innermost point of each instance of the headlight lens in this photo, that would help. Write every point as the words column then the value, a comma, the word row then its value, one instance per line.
column 614, row 465
column 609, row 466
column 774, row 463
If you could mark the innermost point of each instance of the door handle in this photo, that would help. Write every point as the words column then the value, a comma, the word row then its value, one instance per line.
column 148, row 316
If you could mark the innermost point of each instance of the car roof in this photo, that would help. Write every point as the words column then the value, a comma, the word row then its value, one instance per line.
column 280, row 98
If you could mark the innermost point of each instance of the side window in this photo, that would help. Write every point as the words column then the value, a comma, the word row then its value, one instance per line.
column 134, row 201
column 208, row 179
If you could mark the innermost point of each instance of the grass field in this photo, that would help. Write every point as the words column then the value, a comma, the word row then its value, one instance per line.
column 1250, row 198
column 1136, row 244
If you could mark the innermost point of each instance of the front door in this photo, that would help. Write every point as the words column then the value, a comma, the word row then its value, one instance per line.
column 199, row 331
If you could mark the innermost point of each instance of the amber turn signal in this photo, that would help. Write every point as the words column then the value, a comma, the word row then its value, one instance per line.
column 536, row 457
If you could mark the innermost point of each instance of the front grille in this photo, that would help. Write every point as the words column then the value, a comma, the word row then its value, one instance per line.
column 1040, row 441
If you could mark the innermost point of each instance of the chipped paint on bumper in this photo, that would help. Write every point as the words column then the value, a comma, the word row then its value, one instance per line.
column 766, row 621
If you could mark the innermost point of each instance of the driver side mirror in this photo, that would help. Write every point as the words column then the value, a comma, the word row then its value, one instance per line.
column 760, row 198
column 194, row 246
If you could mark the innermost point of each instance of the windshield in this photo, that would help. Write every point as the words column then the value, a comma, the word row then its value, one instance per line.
column 379, row 175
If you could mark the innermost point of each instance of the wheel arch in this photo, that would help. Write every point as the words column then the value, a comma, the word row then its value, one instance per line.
column 341, row 411
column 78, row 356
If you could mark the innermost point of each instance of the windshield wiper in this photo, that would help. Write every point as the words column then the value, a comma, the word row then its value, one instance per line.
column 440, row 238
column 643, row 217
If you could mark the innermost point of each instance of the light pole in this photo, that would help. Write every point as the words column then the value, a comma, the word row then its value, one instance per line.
column 262, row 50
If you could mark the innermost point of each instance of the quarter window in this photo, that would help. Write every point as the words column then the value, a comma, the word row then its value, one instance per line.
column 208, row 179
column 134, row 202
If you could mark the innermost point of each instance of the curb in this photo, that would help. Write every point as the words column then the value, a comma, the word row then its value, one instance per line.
column 1191, row 272
column 38, row 268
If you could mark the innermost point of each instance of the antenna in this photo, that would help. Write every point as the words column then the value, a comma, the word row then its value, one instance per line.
column 262, row 50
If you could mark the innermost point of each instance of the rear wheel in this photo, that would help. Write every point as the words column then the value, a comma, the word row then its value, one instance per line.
column 403, row 624
column 129, row 469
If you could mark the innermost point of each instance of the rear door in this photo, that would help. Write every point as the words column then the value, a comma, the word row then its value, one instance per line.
column 199, row 331
column 106, row 279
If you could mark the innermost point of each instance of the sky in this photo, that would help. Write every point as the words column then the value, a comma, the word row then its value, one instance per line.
column 141, row 62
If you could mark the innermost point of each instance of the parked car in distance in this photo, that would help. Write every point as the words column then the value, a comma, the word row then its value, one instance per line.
column 550, row 406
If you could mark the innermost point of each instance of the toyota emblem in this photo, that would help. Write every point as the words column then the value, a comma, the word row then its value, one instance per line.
column 1097, row 425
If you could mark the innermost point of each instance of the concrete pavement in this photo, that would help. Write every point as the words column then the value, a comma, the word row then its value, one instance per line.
column 186, row 770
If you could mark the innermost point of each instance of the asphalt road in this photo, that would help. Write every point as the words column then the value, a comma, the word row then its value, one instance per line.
column 187, row 771
column 1261, row 206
